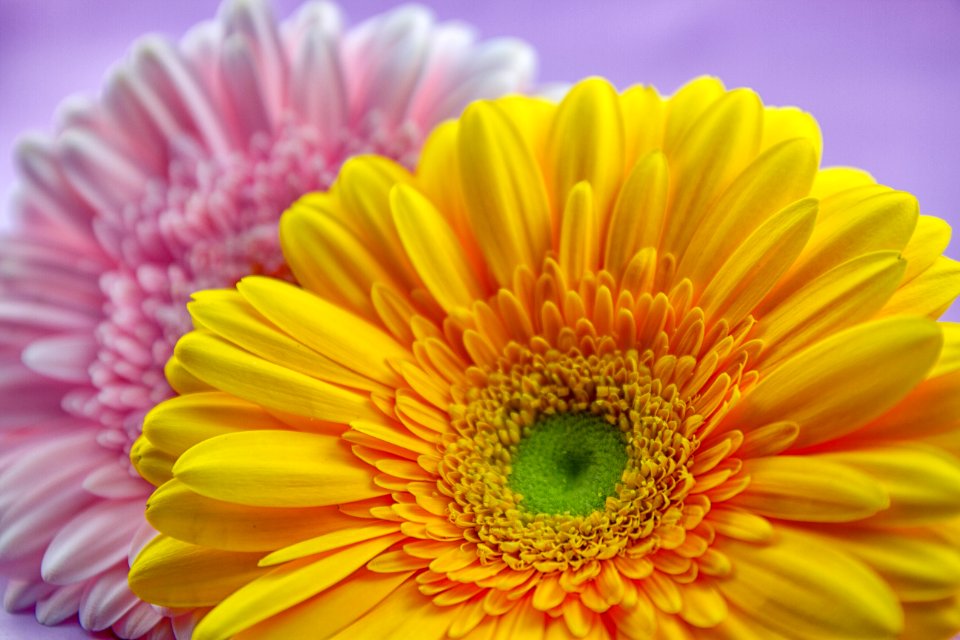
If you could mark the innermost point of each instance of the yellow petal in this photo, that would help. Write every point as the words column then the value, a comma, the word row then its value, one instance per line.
column 506, row 197
column 722, row 143
column 327, row 328
column 523, row 621
column 434, row 250
column 778, row 177
column 579, row 234
column 548, row 593
column 740, row 524
column 644, row 112
column 672, row 627
column 170, row 573
column 181, row 380
column 438, row 174
column 833, row 387
column 928, row 242
column 638, row 215
column 363, row 190
column 918, row 564
column 882, row 222
column 937, row 619
column 662, row 590
column 284, row 587
column 786, row 123
column 276, row 469
column 703, row 606
column 179, row 512
column 329, row 259
column 325, row 614
column 755, row 266
column 245, row 375
column 334, row 539
column 177, row 424
column 805, row 589
column 768, row 440
column 637, row 622
column 429, row 386
column 395, row 312
column 405, row 613
column 846, row 295
column 811, row 489
column 949, row 360
column 930, row 293
column 438, row 178
column 228, row 315
column 685, row 107
column 395, row 435
column 587, row 144
column 152, row 462
column 833, row 180
column 739, row 626
column 840, row 203
column 932, row 408
column 533, row 118
column 396, row 561
column 923, row 481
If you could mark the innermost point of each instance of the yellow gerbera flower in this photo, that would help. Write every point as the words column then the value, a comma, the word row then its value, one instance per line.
column 622, row 367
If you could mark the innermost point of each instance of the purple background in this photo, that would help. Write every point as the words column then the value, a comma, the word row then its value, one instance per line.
column 881, row 76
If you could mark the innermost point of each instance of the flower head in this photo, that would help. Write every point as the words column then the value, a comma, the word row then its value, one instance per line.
column 622, row 367
column 173, row 182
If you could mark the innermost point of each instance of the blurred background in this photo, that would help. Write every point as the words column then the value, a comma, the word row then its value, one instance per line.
column 881, row 76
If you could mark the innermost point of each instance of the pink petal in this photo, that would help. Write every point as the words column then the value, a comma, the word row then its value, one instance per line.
column 21, row 594
column 30, row 525
column 106, row 600
column 61, row 449
column 495, row 67
column 105, row 178
column 481, row 86
column 149, row 147
column 64, row 357
column 178, row 104
column 140, row 620
column 383, row 60
column 62, row 603
column 116, row 482
column 238, row 65
column 144, row 534
column 53, row 283
column 323, row 18
column 39, row 497
column 26, row 397
column 254, row 22
column 81, row 112
column 183, row 626
column 163, row 631
column 92, row 542
column 49, row 251
column 26, row 567
column 323, row 100
column 450, row 45
column 43, row 315
column 46, row 183
column 199, row 49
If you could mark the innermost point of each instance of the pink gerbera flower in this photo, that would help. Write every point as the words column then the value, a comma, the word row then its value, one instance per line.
column 172, row 182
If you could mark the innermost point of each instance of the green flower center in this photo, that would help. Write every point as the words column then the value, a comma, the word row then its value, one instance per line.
column 570, row 463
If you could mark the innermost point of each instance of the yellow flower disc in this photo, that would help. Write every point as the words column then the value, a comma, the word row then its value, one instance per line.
column 622, row 367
